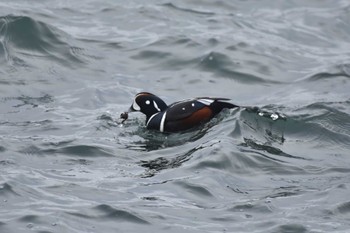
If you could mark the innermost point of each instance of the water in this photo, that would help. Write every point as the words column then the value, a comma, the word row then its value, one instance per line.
column 69, row 68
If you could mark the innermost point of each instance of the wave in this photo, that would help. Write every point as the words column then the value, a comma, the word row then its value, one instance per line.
column 105, row 212
column 23, row 39
column 84, row 151
column 6, row 190
column 180, row 52
column 327, row 124
column 339, row 70
column 188, row 10
column 222, row 66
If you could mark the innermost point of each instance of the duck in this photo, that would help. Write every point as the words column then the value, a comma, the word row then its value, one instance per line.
column 179, row 116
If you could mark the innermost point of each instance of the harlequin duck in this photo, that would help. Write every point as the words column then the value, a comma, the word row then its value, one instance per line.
column 178, row 116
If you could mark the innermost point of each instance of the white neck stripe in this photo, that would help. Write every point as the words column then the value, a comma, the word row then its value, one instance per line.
column 149, row 120
column 161, row 127
column 156, row 106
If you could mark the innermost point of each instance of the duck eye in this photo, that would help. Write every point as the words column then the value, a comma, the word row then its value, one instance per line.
column 148, row 102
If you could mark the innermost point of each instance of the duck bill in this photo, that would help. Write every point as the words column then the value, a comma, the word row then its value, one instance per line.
column 131, row 109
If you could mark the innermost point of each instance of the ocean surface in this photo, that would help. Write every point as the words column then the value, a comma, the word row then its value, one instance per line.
column 69, row 68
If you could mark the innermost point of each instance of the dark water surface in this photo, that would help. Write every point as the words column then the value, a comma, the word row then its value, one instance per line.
column 69, row 68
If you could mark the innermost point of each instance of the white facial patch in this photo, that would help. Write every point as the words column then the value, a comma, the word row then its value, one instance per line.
column 135, row 106
column 156, row 106
column 148, row 102
column 192, row 104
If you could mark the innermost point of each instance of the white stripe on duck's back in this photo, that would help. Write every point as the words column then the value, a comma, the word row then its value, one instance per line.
column 206, row 101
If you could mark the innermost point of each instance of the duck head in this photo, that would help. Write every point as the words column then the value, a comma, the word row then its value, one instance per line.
column 148, row 104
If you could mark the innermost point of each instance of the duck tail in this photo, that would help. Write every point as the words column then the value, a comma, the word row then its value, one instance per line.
column 219, row 105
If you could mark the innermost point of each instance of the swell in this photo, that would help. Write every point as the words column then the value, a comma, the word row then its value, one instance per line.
column 181, row 53
column 327, row 123
column 23, row 39
column 6, row 190
column 188, row 10
column 105, row 212
column 84, row 151
column 335, row 71
column 221, row 65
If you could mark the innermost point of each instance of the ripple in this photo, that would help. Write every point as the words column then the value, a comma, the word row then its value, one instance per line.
column 30, row 218
column 81, row 151
column 78, row 161
column 28, row 100
column 162, row 163
column 153, row 55
column 222, row 66
column 197, row 190
column 7, row 162
column 326, row 123
column 341, row 70
column 270, row 149
column 291, row 228
column 252, row 208
column 105, row 212
column 180, row 40
column 286, row 192
column 344, row 208
column 164, row 53
column 7, row 190
column 188, row 10
column 220, row 162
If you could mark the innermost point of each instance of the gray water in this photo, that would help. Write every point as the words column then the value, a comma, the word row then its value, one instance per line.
column 69, row 68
